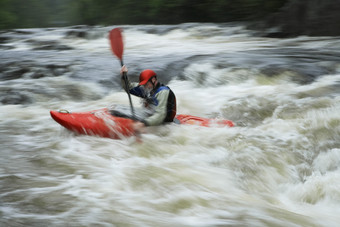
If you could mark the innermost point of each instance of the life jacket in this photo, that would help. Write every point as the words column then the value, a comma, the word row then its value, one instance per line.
column 171, row 102
column 152, row 100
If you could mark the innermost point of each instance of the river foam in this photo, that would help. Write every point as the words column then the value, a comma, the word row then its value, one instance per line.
column 279, row 166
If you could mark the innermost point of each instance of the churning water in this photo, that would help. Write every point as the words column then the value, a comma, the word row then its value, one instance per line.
column 280, row 165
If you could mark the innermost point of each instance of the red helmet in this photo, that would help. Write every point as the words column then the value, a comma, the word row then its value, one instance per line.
column 145, row 76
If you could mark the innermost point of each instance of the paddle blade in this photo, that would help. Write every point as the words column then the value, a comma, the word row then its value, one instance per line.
column 116, row 41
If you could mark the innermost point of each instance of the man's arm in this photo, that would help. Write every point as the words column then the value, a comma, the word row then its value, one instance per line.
column 132, row 88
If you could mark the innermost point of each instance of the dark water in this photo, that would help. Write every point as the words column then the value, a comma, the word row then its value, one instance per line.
column 278, row 167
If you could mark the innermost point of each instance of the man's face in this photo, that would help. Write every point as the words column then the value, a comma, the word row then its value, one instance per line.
column 148, row 86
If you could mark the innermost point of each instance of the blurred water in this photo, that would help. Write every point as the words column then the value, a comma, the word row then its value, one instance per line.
column 278, row 167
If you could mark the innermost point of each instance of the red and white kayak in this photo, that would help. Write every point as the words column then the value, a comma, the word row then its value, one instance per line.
column 102, row 123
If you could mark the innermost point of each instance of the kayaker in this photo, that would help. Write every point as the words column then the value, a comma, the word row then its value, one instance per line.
column 157, row 97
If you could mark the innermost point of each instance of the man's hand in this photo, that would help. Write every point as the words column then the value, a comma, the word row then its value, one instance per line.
column 124, row 69
column 139, row 127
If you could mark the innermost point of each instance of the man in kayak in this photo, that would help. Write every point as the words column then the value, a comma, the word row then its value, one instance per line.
column 157, row 97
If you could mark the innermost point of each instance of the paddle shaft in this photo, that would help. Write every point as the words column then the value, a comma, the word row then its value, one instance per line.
column 127, row 89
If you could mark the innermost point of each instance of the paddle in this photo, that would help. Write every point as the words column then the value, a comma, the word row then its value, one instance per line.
column 117, row 46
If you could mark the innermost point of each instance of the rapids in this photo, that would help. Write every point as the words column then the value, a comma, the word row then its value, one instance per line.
column 279, row 166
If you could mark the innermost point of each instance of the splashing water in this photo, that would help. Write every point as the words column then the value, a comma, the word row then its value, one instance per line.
column 278, row 167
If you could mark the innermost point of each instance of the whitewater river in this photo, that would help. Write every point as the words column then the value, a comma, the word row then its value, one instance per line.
column 279, row 166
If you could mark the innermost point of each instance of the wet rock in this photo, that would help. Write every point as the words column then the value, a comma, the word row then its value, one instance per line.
column 48, row 45
column 58, row 70
column 159, row 30
column 13, row 74
column 86, row 32
column 4, row 39
column 14, row 98
column 30, row 70
column 47, row 71
column 37, row 75
column 77, row 34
